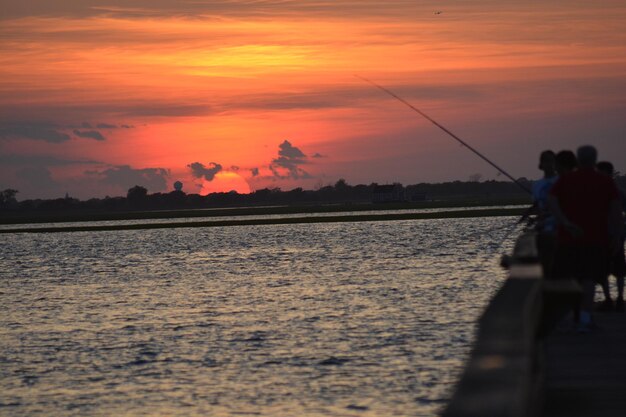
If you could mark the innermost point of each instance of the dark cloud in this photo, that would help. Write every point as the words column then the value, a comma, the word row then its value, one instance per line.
column 112, row 126
column 198, row 170
column 285, row 102
column 44, row 131
column 255, row 172
column 289, row 152
column 121, row 108
column 125, row 177
column 39, row 160
column 155, row 8
column 165, row 109
column 53, row 132
column 317, row 155
column 86, row 125
column 38, row 177
column 89, row 134
column 329, row 97
column 287, row 165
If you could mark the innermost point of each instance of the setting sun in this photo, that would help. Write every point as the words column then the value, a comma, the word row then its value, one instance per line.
column 225, row 181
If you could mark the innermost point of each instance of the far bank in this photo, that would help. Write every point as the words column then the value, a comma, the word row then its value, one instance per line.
column 84, row 215
column 247, row 220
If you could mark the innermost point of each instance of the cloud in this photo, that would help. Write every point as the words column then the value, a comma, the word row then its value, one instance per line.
column 155, row 8
column 164, row 110
column 198, row 170
column 317, row 155
column 289, row 152
column 112, row 126
column 101, row 125
column 255, row 172
column 44, row 131
column 154, row 179
column 347, row 96
column 38, row 109
column 37, row 177
column 89, row 134
column 53, row 132
column 39, row 160
column 287, row 165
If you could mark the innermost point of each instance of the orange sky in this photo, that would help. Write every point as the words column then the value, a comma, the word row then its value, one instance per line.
column 97, row 96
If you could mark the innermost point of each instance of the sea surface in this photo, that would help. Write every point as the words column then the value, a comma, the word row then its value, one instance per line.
column 332, row 319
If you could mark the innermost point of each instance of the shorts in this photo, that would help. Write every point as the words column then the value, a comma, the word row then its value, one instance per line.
column 581, row 263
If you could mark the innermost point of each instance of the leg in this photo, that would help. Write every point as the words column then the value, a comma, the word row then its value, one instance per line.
column 605, row 289
column 619, row 270
column 619, row 303
column 607, row 304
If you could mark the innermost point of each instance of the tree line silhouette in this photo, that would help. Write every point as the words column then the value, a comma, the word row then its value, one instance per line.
column 138, row 198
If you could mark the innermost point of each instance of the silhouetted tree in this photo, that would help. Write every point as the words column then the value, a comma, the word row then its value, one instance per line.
column 176, row 198
column 137, row 196
column 7, row 198
column 341, row 185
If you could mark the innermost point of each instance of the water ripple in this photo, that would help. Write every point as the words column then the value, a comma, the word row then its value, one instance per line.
column 285, row 320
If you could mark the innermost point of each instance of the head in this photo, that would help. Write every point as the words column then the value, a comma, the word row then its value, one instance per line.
column 565, row 162
column 605, row 167
column 546, row 162
column 587, row 156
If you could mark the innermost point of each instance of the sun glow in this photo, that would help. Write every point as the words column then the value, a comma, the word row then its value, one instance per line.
column 224, row 182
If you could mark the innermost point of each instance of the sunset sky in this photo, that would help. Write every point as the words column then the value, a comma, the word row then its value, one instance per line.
column 99, row 95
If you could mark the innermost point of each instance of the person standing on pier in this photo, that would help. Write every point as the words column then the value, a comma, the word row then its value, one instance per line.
column 565, row 161
column 546, row 226
column 587, row 209
column 617, row 264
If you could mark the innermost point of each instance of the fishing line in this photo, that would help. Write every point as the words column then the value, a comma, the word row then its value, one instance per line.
column 461, row 141
column 511, row 229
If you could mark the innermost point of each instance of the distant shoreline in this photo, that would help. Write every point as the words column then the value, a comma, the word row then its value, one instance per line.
column 466, row 213
column 9, row 217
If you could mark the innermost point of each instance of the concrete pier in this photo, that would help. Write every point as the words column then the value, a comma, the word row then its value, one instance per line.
column 585, row 374
column 528, row 362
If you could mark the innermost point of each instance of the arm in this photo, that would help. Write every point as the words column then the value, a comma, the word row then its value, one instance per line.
column 559, row 216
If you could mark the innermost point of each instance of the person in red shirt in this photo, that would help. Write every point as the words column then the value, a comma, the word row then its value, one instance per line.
column 587, row 209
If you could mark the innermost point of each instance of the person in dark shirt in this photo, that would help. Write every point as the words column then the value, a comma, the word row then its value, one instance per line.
column 586, row 206
column 565, row 161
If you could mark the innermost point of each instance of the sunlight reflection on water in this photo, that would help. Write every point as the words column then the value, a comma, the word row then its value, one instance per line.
column 339, row 319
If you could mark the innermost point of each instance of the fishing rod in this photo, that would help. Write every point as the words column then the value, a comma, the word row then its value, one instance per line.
column 458, row 139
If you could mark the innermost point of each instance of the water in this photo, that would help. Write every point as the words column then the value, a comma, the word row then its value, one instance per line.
column 336, row 319
column 248, row 217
